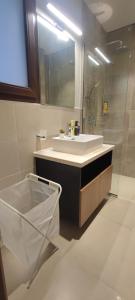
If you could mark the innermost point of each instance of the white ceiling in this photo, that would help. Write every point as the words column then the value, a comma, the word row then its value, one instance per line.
column 113, row 14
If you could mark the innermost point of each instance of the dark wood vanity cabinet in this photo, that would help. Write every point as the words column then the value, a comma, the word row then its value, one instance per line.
column 83, row 188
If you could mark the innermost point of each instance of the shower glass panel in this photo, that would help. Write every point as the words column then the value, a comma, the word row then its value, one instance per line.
column 123, row 69
column 105, row 97
column 116, row 88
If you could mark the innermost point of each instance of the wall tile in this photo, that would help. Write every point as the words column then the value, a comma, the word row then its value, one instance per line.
column 19, row 124
column 27, row 120
column 26, row 149
column 113, row 136
column 9, row 158
column 131, row 118
column 7, row 121
column 131, row 137
column 130, row 153
column 12, row 179
column 129, row 169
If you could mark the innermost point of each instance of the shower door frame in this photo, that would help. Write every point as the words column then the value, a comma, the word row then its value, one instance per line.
column 3, row 290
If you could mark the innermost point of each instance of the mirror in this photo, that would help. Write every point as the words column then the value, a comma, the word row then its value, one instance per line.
column 57, row 67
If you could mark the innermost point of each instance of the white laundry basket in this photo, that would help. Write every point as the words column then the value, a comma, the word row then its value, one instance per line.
column 29, row 216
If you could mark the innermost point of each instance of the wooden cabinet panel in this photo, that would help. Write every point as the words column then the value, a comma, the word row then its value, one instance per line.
column 105, row 183
column 93, row 194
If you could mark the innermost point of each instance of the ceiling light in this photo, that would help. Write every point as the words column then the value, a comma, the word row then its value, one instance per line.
column 102, row 55
column 60, row 34
column 64, row 19
column 93, row 60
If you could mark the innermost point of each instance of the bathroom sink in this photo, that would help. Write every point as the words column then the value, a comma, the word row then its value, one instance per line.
column 79, row 145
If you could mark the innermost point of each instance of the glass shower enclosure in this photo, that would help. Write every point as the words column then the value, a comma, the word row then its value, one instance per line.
column 108, row 93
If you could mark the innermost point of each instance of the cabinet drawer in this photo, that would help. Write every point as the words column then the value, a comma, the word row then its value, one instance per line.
column 93, row 194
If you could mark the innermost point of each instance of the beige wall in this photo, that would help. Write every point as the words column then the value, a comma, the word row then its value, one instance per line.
column 93, row 33
column 19, row 124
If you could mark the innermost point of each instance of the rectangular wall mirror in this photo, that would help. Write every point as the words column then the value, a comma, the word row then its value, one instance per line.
column 56, row 64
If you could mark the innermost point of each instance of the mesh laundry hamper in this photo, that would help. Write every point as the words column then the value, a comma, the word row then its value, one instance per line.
column 29, row 216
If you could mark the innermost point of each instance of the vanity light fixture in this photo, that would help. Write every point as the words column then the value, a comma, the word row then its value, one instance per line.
column 69, row 35
column 64, row 19
column 52, row 27
column 46, row 17
column 94, row 60
column 103, row 56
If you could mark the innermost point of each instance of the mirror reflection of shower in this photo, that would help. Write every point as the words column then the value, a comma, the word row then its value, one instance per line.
column 116, row 45
column 88, row 107
column 94, row 86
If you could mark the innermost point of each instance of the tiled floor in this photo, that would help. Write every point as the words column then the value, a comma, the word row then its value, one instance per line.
column 98, row 266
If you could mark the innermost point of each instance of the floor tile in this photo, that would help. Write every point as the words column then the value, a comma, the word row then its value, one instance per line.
column 119, row 211
column 94, row 249
column 127, row 188
column 119, row 272
column 67, row 281
column 20, row 271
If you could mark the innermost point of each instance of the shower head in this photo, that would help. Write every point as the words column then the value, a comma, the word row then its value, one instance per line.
column 95, row 86
column 117, row 45
column 119, row 42
column 122, row 48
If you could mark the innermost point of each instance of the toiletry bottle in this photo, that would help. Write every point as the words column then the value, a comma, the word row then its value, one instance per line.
column 69, row 129
column 76, row 127
column 72, row 127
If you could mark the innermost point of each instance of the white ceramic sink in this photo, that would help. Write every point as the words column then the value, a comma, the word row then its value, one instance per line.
column 79, row 145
